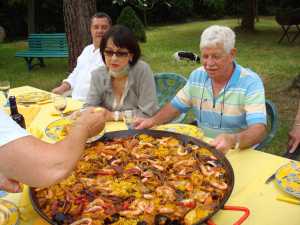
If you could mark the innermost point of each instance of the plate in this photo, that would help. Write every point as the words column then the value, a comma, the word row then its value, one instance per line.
column 57, row 130
column 186, row 129
column 288, row 178
column 9, row 213
column 33, row 97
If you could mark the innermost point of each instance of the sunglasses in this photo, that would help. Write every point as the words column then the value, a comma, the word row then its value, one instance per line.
column 119, row 54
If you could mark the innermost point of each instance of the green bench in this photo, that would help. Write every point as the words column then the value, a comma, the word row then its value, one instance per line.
column 42, row 46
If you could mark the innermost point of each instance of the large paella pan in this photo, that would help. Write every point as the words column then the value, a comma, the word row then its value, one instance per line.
column 140, row 177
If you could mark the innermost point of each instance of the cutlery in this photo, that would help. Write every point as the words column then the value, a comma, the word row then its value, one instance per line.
column 288, row 155
column 287, row 199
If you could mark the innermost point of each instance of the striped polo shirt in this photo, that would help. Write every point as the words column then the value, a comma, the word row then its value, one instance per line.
column 239, row 104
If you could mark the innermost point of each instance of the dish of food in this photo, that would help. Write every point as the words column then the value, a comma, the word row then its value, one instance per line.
column 9, row 213
column 139, row 178
column 186, row 129
column 33, row 97
column 288, row 178
column 58, row 130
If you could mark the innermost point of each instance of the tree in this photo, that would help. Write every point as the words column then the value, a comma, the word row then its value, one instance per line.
column 144, row 5
column 77, row 14
column 248, row 17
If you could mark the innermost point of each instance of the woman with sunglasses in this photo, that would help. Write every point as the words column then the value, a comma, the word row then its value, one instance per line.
column 125, row 82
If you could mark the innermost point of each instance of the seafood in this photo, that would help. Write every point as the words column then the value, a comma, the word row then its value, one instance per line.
column 140, row 180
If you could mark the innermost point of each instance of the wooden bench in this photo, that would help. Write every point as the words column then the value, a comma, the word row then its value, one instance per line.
column 42, row 46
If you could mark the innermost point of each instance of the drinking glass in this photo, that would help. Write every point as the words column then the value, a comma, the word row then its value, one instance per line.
column 4, row 87
column 60, row 103
column 129, row 118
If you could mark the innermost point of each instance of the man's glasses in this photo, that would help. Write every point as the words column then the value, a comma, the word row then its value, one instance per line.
column 119, row 54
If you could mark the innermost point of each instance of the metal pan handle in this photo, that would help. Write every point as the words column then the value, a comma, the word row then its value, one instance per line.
column 234, row 208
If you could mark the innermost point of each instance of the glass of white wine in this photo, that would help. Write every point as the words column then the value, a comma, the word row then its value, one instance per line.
column 4, row 87
column 60, row 103
column 129, row 117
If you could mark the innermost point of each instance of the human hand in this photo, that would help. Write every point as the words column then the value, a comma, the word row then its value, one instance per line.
column 9, row 185
column 61, row 89
column 224, row 142
column 294, row 139
column 92, row 119
column 142, row 123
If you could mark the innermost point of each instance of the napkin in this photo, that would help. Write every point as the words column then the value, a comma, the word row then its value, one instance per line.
column 29, row 113
column 71, row 107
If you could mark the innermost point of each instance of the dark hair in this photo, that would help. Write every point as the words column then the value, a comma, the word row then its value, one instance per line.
column 101, row 15
column 122, row 37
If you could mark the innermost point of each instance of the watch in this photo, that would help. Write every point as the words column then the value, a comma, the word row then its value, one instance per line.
column 116, row 115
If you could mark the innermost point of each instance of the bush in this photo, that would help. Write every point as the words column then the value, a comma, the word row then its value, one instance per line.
column 129, row 18
column 213, row 9
column 181, row 9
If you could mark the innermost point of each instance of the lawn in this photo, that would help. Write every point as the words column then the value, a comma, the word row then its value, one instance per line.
column 278, row 64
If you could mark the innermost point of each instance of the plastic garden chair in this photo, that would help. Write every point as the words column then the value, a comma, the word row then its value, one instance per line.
column 167, row 85
column 272, row 117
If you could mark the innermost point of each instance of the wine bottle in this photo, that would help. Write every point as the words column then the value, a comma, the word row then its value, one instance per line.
column 14, row 113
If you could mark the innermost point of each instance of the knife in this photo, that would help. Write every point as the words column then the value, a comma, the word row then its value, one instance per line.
column 288, row 155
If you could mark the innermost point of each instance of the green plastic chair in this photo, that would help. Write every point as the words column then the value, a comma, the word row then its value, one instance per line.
column 167, row 86
column 272, row 117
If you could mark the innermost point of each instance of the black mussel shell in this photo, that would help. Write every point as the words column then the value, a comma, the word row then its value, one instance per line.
column 142, row 223
column 161, row 220
column 61, row 218
column 112, row 219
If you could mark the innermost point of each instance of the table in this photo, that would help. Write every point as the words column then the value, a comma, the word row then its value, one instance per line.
column 251, row 169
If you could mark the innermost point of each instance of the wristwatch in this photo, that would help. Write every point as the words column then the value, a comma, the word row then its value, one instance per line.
column 116, row 115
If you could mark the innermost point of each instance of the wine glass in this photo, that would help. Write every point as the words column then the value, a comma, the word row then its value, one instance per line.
column 129, row 118
column 4, row 87
column 60, row 103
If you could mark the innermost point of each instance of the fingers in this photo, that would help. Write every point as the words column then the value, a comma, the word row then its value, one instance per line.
column 9, row 185
column 294, row 146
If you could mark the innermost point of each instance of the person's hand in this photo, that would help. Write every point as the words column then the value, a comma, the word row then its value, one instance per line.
column 224, row 142
column 9, row 185
column 61, row 89
column 92, row 119
column 142, row 123
column 294, row 139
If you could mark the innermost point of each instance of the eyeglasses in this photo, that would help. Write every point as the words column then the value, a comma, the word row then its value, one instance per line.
column 119, row 54
column 222, row 104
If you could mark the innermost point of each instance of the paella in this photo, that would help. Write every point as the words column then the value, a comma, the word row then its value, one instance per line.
column 138, row 180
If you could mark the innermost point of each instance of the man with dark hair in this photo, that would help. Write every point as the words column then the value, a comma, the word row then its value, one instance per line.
column 90, row 59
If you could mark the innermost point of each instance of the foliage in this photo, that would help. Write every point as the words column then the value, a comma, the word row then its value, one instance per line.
column 211, row 9
column 180, row 9
column 129, row 18
column 277, row 64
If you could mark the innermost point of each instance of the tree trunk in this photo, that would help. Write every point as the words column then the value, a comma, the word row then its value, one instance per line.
column 77, row 14
column 248, row 18
column 31, row 16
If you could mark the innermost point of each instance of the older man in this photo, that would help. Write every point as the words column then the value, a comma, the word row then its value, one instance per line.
column 227, row 99
column 89, row 60
column 30, row 161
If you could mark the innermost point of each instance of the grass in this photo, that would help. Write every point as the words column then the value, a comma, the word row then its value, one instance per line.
column 278, row 64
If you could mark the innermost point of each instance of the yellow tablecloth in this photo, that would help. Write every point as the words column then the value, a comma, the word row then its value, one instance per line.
column 251, row 169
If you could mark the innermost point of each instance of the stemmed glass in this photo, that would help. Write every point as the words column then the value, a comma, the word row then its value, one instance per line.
column 129, row 118
column 60, row 103
column 4, row 87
